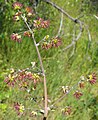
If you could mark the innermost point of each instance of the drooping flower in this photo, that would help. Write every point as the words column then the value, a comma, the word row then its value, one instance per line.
column 65, row 89
column 19, row 108
column 40, row 23
column 16, row 16
column 46, row 45
column 16, row 37
column 23, row 84
column 29, row 11
column 17, row 5
column 27, row 33
column 45, row 24
column 33, row 113
column 56, row 42
column 67, row 110
column 81, row 84
column 10, row 80
column 92, row 78
column 77, row 94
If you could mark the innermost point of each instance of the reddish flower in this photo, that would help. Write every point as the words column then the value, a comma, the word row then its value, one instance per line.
column 27, row 33
column 16, row 37
column 17, row 5
column 23, row 79
column 29, row 11
column 77, row 94
column 45, row 24
column 40, row 23
column 10, row 80
column 81, row 84
column 46, row 45
column 23, row 84
column 92, row 78
column 56, row 42
column 19, row 108
column 67, row 110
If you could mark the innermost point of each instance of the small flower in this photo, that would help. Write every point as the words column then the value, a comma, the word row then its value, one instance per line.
column 17, row 5
column 19, row 108
column 67, row 110
column 23, row 84
column 92, row 78
column 16, row 37
column 81, row 84
column 16, row 16
column 77, row 94
column 46, row 37
column 29, row 11
column 10, row 80
column 45, row 24
column 56, row 42
column 27, row 33
column 33, row 113
column 37, row 23
column 65, row 89
column 46, row 45
column 40, row 23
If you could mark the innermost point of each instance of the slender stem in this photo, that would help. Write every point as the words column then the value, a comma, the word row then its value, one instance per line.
column 59, row 99
column 41, row 64
column 61, row 23
column 61, row 10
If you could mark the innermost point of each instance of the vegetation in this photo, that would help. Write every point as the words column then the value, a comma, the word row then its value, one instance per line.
column 69, row 54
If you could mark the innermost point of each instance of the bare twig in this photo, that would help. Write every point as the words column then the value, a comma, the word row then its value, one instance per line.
column 76, row 39
column 41, row 64
column 61, row 10
column 74, row 45
column 96, row 17
column 61, row 23
column 59, row 99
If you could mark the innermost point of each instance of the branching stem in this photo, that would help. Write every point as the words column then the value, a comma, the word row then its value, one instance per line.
column 41, row 65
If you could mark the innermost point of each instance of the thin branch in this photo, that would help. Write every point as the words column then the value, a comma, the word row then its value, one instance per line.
column 76, row 39
column 61, row 23
column 41, row 64
column 96, row 17
column 61, row 10
column 59, row 99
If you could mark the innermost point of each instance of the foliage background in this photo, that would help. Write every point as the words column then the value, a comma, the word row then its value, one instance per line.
column 61, row 69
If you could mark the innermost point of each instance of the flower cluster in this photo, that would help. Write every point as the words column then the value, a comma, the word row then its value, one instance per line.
column 23, row 79
column 55, row 42
column 92, row 78
column 67, row 110
column 19, row 108
column 16, row 37
column 17, row 5
column 40, row 23
column 78, row 94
